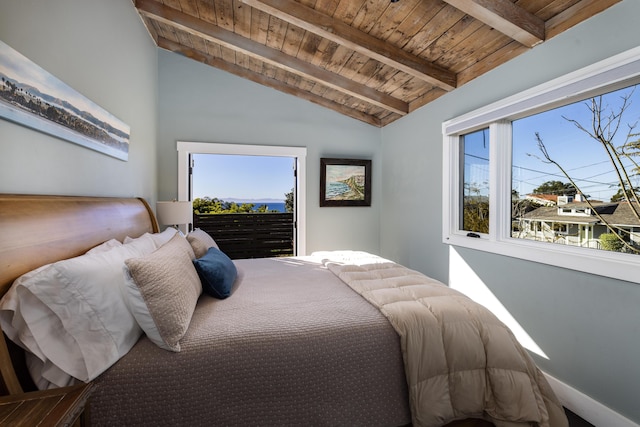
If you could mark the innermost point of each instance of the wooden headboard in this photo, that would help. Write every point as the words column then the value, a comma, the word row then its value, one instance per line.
column 37, row 230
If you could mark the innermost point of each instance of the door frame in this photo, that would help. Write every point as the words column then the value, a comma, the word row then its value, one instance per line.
column 186, row 148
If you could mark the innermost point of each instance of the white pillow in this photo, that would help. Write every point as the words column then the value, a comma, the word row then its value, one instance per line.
column 72, row 315
column 163, row 237
column 109, row 244
column 158, row 238
column 43, row 372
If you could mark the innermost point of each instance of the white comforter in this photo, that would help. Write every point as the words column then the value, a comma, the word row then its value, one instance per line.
column 460, row 360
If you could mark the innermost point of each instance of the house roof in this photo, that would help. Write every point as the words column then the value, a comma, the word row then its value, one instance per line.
column 620, row 214
column 373, row 60
column 543, row 198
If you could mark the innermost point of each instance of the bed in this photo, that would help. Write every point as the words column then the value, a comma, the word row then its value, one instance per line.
column 316, row 340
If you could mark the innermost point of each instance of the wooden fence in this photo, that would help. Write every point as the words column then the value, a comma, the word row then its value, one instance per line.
column 249, row 235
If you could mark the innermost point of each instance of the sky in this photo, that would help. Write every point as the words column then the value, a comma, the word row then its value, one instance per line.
column 337, row 173
column 582, row 157
column 247, row 178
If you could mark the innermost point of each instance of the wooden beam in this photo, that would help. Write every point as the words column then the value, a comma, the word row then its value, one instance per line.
column 575, row 14
column 339, row 32
column 213, row 33
column 245, row 73
column 505, row 17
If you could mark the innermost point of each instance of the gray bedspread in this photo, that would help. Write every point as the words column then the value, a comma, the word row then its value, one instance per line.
column 293, row 345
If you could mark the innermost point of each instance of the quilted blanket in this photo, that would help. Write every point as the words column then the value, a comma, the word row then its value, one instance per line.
column 292, row 346
column 460, row 360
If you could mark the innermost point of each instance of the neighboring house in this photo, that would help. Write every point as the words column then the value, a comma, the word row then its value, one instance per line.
column 578, row 224
column 543, row 199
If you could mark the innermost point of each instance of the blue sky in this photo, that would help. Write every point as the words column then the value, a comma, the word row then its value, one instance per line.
column 242, row 177
column 582, row 157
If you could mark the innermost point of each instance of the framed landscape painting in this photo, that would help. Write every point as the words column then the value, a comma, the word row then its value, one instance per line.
column 345, row 182
column 32, row 97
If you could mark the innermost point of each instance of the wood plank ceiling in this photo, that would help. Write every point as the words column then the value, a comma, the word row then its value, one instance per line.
column 373, row 60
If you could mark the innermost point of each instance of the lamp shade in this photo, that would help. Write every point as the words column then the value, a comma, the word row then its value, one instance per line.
column 174, row 213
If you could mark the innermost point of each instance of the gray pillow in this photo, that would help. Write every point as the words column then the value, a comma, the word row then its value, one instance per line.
column 163, row 289
column 200, row 242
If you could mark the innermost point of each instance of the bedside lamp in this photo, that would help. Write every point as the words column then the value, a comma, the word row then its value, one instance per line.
column 174, row 213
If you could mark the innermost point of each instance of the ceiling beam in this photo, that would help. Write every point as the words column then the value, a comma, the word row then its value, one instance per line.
column 576, row 14
column 341, row 33
column 192, row 25
column 505, row 17
column 245, row 73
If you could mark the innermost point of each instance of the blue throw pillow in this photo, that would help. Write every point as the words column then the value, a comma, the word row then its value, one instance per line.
column 217, row 273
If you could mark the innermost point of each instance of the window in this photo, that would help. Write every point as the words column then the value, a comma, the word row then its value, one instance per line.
column 230, row 193
column 474, row 148
column 548, row 175
column 186, row 149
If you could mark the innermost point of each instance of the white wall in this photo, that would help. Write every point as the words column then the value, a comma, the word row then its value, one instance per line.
column 202, row 104
column 588, row 326
column 102, row 50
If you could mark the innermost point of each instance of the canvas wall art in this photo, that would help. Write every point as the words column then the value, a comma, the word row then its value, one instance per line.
column 345, row 182
column 34, row 98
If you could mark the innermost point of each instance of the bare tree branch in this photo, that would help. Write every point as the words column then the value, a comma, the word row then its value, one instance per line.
column 604, row 131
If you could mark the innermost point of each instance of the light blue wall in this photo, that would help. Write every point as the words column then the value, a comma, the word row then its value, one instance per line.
column 201, row 104
column 588, row 326
column 101, row 50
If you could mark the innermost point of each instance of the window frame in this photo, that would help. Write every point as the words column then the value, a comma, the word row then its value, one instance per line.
column 607, row 75
column 185, row 148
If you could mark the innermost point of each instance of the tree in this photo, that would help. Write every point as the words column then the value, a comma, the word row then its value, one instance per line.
column 556, row 187
column 605, row 124
column 476, row 216
column 610, row 242
column 288, row 201
column 205, row 205
column 475, row 208
column 208, row 205
column 621, row 195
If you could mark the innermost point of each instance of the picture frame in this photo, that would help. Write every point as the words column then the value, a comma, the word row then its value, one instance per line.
column 345, row 182
column 32, row 97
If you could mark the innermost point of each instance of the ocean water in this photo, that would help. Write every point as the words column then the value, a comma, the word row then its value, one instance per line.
column 335, row 189
column 273, row 206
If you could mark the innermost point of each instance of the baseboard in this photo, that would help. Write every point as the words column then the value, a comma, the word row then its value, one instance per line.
column 587, row 408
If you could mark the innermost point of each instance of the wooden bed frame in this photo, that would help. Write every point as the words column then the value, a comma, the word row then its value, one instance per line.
column 37, row 230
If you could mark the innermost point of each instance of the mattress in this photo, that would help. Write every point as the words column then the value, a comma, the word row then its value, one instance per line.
column 292, row 345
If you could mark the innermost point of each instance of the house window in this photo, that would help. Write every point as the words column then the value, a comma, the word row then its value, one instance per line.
column 474, row 149
column 556, row 168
